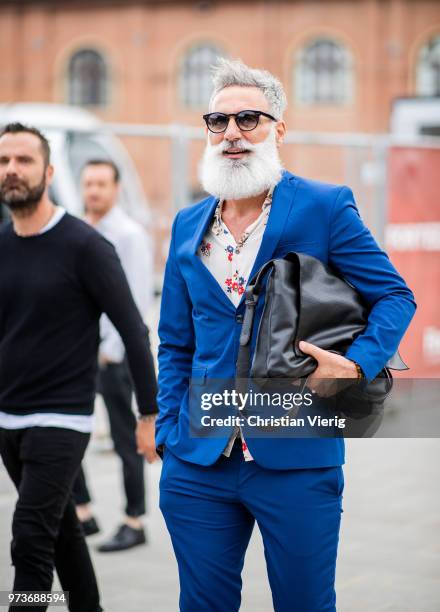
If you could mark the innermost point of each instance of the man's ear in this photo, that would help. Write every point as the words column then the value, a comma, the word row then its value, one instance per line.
column 49, row 174
column 280, row 132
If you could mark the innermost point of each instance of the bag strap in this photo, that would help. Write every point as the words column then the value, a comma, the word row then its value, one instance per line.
column 252, row 295
column 244, row 350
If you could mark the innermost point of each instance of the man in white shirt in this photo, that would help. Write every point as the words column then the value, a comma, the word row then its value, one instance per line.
column 100, row 188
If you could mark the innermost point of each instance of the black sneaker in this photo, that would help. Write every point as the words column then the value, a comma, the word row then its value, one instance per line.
column 90, row 527
column 125, row 537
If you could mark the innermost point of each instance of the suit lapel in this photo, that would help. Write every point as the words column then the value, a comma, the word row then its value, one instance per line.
column 201, row 230
column 282, row 202
column 202, row 226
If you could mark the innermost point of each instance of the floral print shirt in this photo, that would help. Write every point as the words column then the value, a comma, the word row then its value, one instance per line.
column 231, row 263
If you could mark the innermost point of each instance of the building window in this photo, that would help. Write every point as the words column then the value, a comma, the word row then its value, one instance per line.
column 428, row 69
column 195, row 76
column 324, row 73
column 87, row 79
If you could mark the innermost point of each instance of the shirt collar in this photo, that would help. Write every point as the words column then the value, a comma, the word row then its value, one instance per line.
column 56, row 217
column 217, row 221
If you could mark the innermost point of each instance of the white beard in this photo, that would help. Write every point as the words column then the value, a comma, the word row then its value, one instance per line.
column 235, row 179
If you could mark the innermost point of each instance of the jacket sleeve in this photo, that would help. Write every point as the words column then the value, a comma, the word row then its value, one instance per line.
column 176, row 348
column 104, row 279
column 355, row 253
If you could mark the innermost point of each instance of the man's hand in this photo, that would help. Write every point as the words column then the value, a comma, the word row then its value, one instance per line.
column 145, row 439
column 103, row 360
column 330, row 367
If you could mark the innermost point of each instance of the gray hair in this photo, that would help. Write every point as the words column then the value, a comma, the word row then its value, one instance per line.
column 227, row 73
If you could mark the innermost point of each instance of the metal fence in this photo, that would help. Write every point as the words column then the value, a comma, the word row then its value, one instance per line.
column 358, row 160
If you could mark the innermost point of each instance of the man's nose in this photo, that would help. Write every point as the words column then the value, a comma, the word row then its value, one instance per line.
column 11, row 168
column 232, row 131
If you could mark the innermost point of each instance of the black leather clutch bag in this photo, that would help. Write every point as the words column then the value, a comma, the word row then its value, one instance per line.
column 304, row 300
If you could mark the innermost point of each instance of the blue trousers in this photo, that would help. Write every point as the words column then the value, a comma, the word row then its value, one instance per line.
column 210, row 512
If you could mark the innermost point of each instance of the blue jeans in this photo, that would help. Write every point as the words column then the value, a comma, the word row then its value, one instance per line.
column 210, row 512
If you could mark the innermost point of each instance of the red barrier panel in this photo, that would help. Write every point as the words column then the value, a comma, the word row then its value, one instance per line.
column 413, row 243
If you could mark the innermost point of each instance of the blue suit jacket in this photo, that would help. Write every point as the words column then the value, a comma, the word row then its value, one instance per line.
column 199, row 326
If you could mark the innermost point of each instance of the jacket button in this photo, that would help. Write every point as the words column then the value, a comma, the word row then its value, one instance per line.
column 239, row 318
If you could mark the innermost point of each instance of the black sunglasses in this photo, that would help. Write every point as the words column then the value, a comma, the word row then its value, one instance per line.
column 246, row 120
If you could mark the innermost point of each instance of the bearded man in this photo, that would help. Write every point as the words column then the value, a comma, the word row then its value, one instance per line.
column 57, row 277
column 214, row 488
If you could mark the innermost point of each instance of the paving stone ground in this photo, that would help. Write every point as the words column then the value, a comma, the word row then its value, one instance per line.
column 389, row 553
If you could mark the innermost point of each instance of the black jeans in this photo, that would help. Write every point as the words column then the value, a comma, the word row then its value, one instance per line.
column 116, row 388
column 43, row 462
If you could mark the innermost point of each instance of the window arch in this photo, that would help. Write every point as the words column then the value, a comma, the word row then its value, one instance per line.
column 324, row 73
column 87, row 78
column 428, row 69
column 195, row 74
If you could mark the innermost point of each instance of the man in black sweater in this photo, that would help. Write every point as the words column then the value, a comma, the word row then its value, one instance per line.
column 57, row 276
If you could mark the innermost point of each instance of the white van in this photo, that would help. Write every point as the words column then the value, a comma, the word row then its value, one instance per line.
column 75, row 136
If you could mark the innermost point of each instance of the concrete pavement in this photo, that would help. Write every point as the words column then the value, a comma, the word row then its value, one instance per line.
column 389, row 555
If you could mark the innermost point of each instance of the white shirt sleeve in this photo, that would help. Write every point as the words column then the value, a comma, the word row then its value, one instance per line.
column 136, row 254
column 111, row 347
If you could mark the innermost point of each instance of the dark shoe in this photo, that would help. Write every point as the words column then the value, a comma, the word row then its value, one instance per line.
column 90, row 527
column 125, row 537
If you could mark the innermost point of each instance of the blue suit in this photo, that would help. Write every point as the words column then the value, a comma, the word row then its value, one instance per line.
column 199, row 337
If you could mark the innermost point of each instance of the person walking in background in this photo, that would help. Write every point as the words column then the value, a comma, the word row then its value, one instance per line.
column 100, row 183
column 57, row 276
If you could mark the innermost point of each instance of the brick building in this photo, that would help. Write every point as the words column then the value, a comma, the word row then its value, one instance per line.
column 342, row 63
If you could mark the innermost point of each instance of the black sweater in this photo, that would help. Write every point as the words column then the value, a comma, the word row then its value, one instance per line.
column 53, row 289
